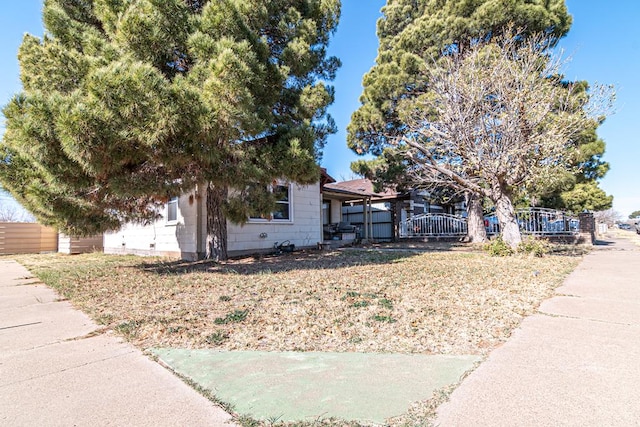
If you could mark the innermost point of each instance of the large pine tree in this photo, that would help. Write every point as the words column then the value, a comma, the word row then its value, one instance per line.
column 126, row 103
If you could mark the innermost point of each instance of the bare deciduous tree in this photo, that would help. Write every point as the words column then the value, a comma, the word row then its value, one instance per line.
column 495, row 119
column 11, row 213
column 609, row 217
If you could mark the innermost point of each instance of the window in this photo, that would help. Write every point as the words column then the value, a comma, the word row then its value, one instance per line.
column 172, row 210
column 282, row 211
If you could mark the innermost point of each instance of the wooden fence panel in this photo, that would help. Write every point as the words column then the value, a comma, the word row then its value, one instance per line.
column 27, row 238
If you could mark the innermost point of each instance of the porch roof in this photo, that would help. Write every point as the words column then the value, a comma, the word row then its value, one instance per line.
column 356, row 189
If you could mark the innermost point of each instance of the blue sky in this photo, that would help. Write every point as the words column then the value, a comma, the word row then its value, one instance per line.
column 603, row 46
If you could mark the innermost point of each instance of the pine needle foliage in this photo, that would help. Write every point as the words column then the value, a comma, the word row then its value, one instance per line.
column 126, row 103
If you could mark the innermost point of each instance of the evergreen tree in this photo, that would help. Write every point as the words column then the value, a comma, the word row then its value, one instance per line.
column 127, row 103
column 413, row 36
column 493, row 121
column 577, row 189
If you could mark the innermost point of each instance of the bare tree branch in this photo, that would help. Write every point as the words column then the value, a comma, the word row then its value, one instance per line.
column 496, row 118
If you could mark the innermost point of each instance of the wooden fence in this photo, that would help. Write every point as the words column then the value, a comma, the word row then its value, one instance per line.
column 27, row 238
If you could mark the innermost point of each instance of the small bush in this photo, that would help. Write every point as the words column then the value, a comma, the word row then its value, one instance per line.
column 533, row 246
column 386, row 319
column 385, row 303
column 498, row 247
column 217, row 338
column 360, row 304
column 129, row 328
column 235, row 317
column 350, row 294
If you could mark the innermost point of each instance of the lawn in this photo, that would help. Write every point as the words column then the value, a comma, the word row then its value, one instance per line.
column 436, row 302
column 626, row 234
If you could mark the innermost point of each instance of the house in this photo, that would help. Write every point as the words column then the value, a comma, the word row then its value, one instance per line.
column 357, row 203
column 181, row 232
column 306, row 215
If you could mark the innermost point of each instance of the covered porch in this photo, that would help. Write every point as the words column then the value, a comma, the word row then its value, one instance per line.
column 337, row 231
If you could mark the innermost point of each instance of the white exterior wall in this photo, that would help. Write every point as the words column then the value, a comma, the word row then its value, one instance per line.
column 175, row 239
column 336, row 211
column 304, row 230
column 79, row 245
column 179, row 239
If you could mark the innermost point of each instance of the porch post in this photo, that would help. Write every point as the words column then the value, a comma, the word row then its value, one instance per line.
column 365, row 220
column 370, row 219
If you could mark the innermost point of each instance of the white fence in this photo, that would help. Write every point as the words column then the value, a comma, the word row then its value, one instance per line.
column 433, row 225
column 533, row 221
column 538, row 222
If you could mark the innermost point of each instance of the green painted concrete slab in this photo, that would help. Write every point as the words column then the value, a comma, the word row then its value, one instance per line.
column 295, row 386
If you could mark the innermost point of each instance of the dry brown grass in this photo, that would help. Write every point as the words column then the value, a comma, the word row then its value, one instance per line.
column 447, row 302
column 625, row 234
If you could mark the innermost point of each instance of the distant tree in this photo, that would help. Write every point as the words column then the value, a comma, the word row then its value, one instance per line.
column 608, row 216
column 12, row 213
column 494, row 119
column 127, row 103
column 634, row 215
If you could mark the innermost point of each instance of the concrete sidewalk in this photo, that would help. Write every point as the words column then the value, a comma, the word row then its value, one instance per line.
column 575, row 363
column 55, row 370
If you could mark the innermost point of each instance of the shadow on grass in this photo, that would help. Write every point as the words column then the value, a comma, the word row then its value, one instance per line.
column 377, row 254
column 270, row 264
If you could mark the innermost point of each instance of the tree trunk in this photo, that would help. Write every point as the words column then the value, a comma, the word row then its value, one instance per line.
column 216, row 244
column 476, row 232
column 509, row 227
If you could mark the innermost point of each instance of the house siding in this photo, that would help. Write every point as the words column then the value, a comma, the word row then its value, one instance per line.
column 305, row 230
column 174, row 239
column 179, row 239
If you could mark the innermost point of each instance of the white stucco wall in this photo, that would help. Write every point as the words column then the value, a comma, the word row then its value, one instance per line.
column 336, row 211
column 176, row 238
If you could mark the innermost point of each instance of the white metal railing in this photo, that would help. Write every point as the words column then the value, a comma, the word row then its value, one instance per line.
column 433, row 225
column 532, row 221
column 538, row 221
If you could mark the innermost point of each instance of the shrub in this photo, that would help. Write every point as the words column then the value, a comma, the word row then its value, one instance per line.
column 536, row 247
column 235, row 317
column 498, row 247
column 217, row 338
column 385, row 303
